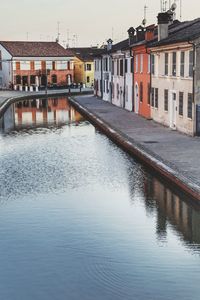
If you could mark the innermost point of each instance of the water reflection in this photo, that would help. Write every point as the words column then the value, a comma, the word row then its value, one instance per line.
column 39, row 112
column 174, row 209
column 81, row 219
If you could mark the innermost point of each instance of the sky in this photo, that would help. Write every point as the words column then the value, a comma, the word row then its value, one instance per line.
column 84, row 22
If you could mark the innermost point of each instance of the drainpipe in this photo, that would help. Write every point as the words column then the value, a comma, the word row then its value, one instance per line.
column 193, row 84
column 133, row 89
column 101, row 77
column 124, row 94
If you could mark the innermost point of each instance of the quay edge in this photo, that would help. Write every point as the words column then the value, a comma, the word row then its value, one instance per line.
column 135, row 149
column 10, row 100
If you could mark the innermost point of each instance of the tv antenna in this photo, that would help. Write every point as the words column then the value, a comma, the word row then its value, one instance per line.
column 144, row 22
column 58, row 36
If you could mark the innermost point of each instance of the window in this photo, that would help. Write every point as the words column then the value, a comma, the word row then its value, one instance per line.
column 166, row 64
column 149, row 93
column 141, row 91
column 121, row 67
column 174, row 64
column 156, row 97
column 153, row 64
column 132, row 65
column 54, row 79
column 113, row 67
column 181, row 103
column 149, row 63
column 105, row 64
column 88, row 79
column 152, row 96
column 53, row 65
column 88, row 67
column 117, row 91
column 182, row 67
column 117, row 66
column 136, row 63
column 190, row 96
column 166, row 99
column 68, row 65
column 141, row 63
column 18, row 79
column 126, row 65
column 191, row 64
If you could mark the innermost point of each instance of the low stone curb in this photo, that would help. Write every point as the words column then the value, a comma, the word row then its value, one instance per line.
column 149, row 159
column 7, row 102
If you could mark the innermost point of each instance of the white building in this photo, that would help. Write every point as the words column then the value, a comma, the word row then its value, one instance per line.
column 114, row 75
column 176, row 77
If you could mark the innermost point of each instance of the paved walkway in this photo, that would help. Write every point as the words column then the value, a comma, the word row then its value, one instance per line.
column 177, row 151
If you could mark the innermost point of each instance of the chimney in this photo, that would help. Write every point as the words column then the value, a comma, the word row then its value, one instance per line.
column 109, row 44
column 131, row 35
column 164, row 20
column 150, row 31
column 140, row 33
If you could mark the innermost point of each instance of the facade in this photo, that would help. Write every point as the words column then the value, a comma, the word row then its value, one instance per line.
column 33, row 65
column 114, row 74
column 142, row 70
column 122, row 76
column 84, row 65
column 175, row 79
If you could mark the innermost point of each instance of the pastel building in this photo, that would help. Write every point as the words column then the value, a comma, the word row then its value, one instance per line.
column 28, row 65
column 175, row 83
column 84, row 65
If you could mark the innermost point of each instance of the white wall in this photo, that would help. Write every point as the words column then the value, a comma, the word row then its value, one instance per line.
column 174, row 84
column 6, row 72
column 97, row 75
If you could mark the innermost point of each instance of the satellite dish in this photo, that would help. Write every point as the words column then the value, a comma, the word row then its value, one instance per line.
column 173, row 7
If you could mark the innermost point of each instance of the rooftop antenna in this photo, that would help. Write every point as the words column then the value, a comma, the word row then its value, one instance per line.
column 181, row 3
column 58, row 36
column 144, row 22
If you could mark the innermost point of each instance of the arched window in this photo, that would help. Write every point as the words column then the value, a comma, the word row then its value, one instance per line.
column 54, row 79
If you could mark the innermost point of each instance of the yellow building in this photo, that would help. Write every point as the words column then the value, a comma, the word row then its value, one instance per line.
column 84, row 65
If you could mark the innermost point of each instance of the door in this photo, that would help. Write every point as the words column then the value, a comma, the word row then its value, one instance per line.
column 25, row 80
column 173, row 108
column 136, row 99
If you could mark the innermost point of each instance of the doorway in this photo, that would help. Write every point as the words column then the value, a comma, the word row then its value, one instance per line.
column 173, row 108
column 136, row 99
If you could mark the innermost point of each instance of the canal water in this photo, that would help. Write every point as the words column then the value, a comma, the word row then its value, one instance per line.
column 80, row 219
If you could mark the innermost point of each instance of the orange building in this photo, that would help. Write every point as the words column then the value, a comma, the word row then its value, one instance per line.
column 142, row 77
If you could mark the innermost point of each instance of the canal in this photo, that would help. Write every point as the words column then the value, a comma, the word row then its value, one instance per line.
column 81, row 219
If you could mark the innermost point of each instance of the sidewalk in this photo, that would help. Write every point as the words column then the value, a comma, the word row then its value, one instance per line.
column 168, row 152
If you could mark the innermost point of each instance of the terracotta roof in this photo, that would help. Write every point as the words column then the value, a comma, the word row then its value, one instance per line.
column 85, row 53
column 35, row 49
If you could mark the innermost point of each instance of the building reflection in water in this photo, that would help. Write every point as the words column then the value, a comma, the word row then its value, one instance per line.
column 174, row 210
column 44, row 112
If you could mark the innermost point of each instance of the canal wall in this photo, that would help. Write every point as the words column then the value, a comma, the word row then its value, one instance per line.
column 172, row 155
column 13, row 97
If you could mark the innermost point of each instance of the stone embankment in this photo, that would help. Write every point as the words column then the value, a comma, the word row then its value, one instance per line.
column 174, row 156
column 9, row 97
